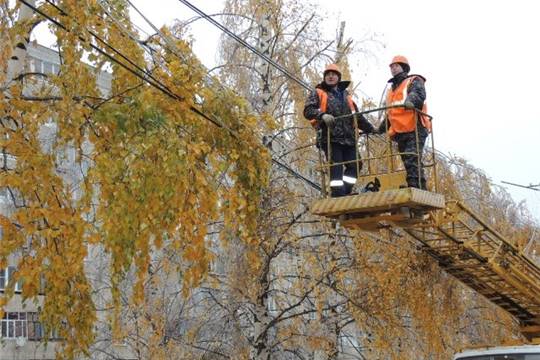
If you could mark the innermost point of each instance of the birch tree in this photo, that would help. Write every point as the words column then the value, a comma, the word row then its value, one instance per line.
column 151, row 154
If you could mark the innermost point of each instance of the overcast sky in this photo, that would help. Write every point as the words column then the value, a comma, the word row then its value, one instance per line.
column 480, row 59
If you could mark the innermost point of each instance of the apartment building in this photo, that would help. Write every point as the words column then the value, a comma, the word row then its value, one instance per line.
column 21, row 333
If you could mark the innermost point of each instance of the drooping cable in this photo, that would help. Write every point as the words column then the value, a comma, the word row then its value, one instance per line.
column 172, row 47
column 248, row 46
column 156, row 84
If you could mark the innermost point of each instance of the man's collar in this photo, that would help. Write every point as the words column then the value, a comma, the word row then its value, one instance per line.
column 399, row 77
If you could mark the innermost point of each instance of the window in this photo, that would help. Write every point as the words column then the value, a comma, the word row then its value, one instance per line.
column 14, row 325
column 5, row 277
column 35, row 330
column 47, row 68
column 24, row 324
column 35, row 65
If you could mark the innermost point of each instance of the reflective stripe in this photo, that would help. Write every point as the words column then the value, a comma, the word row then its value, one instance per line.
column 323, row 101
column 406, row 89
column 349, row 179
column 336, row 183
column 401, row 120
column 404, row 93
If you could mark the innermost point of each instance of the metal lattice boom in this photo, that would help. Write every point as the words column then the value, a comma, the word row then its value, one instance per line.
column 463, row 244
column 472, row 251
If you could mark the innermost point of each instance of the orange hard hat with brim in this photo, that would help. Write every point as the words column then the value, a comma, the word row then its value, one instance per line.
column 399, row 59
column 332, row 67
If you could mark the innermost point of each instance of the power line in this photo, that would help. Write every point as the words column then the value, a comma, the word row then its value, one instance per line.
column 174, row 50
column 248, row 46
column 530, row 186
column 168, row 44
column 257, row 52
column 157, row 84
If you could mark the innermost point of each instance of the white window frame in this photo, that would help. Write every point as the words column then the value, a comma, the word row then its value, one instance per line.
column 10, row 324
column 7, row 278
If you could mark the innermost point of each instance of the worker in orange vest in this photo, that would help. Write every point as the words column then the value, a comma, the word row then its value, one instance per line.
column 408, row 94
column 330, row 100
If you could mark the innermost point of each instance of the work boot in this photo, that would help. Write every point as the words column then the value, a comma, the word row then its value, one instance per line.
column 412, row 182
column 372, row 186
column 337, row 192
column 418, row 214
column 347, row 188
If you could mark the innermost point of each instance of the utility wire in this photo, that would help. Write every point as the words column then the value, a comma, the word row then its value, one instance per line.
column 172, row 47
column 168, row 44
column 248, row 46
column 156, row 84
column 530, row 187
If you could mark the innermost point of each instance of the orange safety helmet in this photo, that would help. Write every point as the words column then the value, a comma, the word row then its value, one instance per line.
column 399, row 59
column 332, row 67
column 402, row 60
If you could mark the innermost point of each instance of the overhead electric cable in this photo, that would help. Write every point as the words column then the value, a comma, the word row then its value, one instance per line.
column 172, row 47
column 157, row 85
column 248, row 46
column 530, row 187
column 160, row 85
column 168, row 44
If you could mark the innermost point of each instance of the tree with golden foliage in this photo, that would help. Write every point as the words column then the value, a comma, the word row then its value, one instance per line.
column 206, row 250
column 377, row 291
column 152, row 155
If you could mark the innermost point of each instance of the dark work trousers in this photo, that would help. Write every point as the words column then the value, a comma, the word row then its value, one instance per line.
column 407, row 144
column 342, row 182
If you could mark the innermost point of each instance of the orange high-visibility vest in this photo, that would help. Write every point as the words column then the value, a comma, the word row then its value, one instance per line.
column 323, row 102
column 403, row 120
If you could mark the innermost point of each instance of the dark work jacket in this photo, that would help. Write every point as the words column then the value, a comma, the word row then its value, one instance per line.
column 337, row 105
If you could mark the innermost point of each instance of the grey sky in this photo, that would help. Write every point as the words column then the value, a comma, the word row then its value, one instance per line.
column 479, row 58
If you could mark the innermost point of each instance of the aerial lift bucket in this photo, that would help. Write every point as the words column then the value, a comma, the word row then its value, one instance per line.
column 393, row 202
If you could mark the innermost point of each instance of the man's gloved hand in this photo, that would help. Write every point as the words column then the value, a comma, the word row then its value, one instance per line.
column 409, row 105
column 381, row 129
column 329, row 120
column 369, row 130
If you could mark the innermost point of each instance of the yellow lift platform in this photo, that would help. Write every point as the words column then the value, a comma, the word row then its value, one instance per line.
column 462, row 243
column 368, row 211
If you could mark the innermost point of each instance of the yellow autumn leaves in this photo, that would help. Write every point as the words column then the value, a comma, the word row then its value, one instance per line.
column 147, row 172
